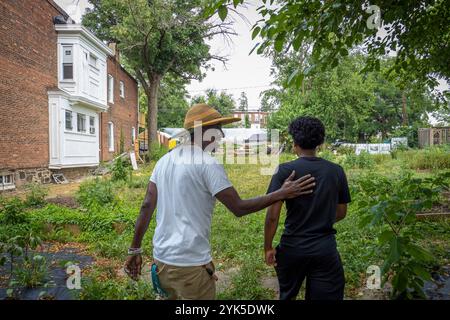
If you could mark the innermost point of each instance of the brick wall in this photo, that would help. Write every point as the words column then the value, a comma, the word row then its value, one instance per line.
column 28, row 68
column 123, row 112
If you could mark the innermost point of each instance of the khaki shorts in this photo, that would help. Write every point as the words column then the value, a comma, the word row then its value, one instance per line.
column 187, row 283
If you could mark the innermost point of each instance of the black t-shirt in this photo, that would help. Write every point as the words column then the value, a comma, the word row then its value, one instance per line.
column 309, row 222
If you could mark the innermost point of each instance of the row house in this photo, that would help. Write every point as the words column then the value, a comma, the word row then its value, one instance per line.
column 66, row 103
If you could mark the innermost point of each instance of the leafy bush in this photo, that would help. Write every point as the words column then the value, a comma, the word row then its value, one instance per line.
column 12, row 212
column 96, row 194
column 327, row 155
column 430, row 158
column 36, row 195
column 393, row 204
column 362, row 161
column 345, row 150
column 120, row 170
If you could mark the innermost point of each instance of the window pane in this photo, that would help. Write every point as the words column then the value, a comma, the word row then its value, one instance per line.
column 67, row 71
column 93, row 60
column 68, row 120
column 81, row 122
column 91, row 125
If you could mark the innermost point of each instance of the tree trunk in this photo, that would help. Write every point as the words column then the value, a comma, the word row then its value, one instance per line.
column 404, row 113
column 152, row 110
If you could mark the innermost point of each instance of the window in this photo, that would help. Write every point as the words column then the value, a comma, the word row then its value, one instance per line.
column 110, row 89
column 93, row 60
column 81, row 122
column 67, row 60
column 133, row 135
column 69, row 120
column 122, row 89
column 91, row 125
column 6, row 181
column 110, row 136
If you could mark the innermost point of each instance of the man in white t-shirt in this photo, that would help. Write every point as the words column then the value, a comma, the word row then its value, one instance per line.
column 183, row 187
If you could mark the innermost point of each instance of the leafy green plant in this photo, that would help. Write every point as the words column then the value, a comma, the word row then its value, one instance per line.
column 393, row 204
column 96, row 194
column 36, row 195
column 431, row 158
column 120, row 170
column 33, row 272
column 157, row 151
column 362, row 161
column 12, row 212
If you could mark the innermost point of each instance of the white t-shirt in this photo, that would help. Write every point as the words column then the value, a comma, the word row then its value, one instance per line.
column 187, row 179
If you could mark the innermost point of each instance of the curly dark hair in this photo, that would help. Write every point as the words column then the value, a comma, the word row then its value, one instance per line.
column 307, row 132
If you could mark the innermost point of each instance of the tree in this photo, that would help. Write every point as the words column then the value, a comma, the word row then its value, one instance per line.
column 223, row 102
column 157, row 38
column 243, row 102
column 247, row 121
column 172, row 102
column 416, row 30
column 352, row 106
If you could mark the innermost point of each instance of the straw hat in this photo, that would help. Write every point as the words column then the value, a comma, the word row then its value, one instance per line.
column 207, row 115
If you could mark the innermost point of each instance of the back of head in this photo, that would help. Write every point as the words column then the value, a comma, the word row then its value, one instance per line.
column 307, row 132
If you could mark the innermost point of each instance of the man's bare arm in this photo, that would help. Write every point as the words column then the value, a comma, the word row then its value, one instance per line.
column 147, row 208
column 341, row 211
column 271, row 225
column 290, row 189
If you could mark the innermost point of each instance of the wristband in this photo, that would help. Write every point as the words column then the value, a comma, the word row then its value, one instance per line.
column 134, row 251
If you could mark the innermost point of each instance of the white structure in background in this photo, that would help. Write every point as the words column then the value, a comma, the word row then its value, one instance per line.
column 377, row 148
column 81, row 95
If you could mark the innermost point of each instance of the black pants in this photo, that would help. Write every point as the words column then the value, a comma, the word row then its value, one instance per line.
column 324, row 275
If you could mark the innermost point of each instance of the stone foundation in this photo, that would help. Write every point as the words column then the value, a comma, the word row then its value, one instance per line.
column 35, row 175
column 44, row 175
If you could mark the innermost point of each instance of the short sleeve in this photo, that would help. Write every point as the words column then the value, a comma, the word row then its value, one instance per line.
column 154, row 176
column 277, row 180
column 216, row 178
column 344, row 192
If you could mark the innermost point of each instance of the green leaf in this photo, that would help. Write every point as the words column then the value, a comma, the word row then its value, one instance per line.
column 421, row 272
column 223, row 12
column 279, row 41
column 419, row 253
column 385, row 236
column 253, row 49
column 292, row 76
column 255, row 32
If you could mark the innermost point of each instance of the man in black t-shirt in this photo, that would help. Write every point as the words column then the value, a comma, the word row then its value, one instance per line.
column 308, row 246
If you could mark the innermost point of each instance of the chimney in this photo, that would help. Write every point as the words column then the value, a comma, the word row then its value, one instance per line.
column 115, row 50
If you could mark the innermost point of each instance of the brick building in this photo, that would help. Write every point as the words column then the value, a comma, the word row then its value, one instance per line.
column 54, row 114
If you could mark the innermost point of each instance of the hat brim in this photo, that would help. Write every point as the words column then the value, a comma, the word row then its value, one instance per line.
column 221, row 121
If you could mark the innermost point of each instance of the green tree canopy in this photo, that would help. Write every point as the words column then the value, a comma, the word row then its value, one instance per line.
column 157, row 37
column 222, row 102
column 418, row 31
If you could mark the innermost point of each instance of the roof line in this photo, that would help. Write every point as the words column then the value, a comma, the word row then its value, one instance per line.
column 58, row 8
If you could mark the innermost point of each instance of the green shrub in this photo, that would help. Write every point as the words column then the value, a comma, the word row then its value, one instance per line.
column 36, row 195
column 120, row 169
column 327, row 155
column 345, row 150
column 430, row 158
column 393, row 203
column 96, row 193
column 12, row 212
column 157, row 151
column 362, row 161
